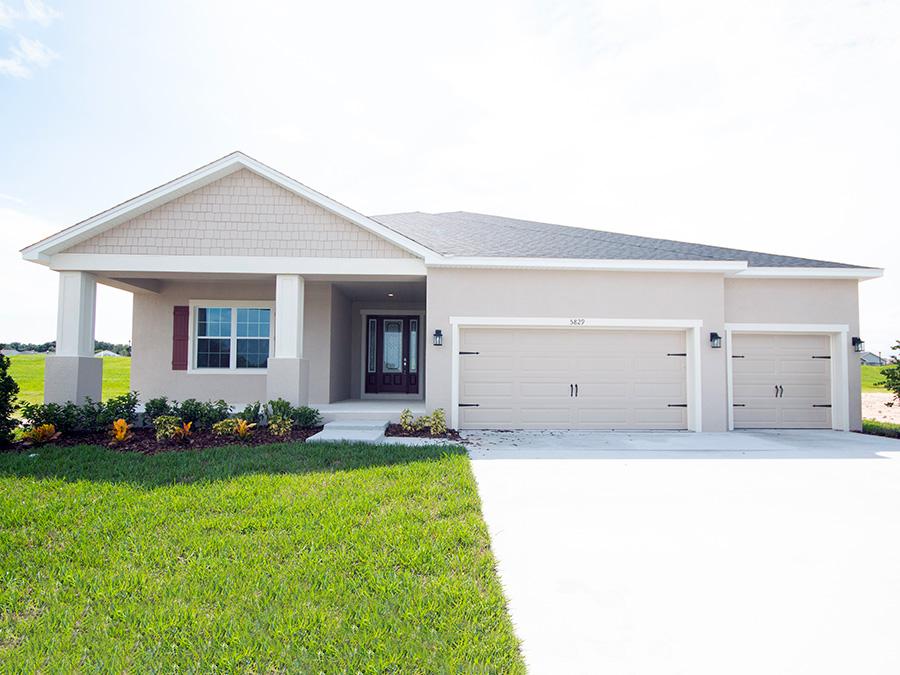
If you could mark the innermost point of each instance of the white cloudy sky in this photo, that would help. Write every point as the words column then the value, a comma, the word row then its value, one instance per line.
column 766, row 125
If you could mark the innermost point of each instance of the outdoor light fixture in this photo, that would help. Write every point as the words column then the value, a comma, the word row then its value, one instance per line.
column 715, row 340
column 438, row 338
column 858, row 344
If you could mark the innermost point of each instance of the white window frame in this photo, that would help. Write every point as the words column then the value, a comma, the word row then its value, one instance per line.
column 233, row 305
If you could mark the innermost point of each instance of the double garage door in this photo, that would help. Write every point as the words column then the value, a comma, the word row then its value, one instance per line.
column 514, row 378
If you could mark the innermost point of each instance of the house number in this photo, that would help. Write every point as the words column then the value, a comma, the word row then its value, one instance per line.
column 576, row 322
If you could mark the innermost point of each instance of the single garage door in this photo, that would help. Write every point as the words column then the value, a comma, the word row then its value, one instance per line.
column 513, row 378
column 781, row 381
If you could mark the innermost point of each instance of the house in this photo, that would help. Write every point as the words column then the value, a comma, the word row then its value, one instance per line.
column 250, row 285
column 870, row 359
column 106, row 352
column 9, row 352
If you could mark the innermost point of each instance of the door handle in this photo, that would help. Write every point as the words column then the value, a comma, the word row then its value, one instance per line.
column 780, row 391
column 776, row 391
column 576, row 391
column 404, row 364
column 571, row 390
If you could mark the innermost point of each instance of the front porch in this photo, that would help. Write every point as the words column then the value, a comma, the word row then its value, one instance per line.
column 352, row 346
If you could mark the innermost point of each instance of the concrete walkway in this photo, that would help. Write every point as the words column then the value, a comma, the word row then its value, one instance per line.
column 769, row 552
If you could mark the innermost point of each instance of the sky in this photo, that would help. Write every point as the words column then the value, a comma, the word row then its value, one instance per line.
column 763, row 125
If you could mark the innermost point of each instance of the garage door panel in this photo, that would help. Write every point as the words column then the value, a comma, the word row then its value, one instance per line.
column 778, row 383
column 625, row 378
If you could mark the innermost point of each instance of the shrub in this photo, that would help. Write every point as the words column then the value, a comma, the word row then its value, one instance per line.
column 202, row 415
column 280, row 426
column 40, row 434
column 438, row 422
column 251, row 413
column 121, row 431
column 280, row 408
column 121, row 407
column 8, row 406
column 157, row 407
column 65, row 418
column 305, row 417
column 892, row 376
column 406, row 420
column 171, row 428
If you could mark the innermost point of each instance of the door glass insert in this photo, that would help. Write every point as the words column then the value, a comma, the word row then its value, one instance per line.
column 393, row 346
column 373, row 338
column 413, row 345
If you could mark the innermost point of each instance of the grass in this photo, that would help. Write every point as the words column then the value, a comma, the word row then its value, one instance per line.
column 881, row 428
column 28, row 372
column 279, row 558
column 869, row 376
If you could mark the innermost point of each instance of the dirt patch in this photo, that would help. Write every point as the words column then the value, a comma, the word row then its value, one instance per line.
column 874, row 408
column 397, row 430
column 144, row 440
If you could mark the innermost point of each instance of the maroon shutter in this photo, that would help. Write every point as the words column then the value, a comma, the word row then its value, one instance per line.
column 180, row 317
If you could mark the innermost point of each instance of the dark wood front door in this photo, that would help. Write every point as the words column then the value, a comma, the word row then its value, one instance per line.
column 392, row 357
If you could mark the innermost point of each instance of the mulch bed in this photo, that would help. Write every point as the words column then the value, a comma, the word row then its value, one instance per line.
column 144, row 440
column 397, row 430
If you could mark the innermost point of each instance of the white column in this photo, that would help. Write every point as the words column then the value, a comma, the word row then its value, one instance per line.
column 287, row 373
column 73, row 374
column 76, row 314
column 289, row 291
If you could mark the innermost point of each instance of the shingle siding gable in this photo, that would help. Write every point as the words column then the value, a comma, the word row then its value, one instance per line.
column 241, row 214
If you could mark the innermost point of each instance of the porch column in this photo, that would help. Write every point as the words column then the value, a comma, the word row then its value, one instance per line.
column 73, row 373
column 288, row 371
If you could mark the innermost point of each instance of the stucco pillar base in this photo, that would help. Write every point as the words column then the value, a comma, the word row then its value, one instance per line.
column 288, row 378
column 72, row 378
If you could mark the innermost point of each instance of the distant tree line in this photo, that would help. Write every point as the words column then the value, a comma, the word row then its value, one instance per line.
column 49, row 347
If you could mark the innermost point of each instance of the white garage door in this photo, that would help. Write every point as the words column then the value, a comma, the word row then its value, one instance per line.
column 781, row 381
column 513, row 378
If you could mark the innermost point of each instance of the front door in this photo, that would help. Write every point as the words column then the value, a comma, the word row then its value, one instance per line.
column 392, row 355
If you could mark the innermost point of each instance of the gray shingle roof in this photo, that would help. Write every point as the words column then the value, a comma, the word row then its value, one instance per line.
column 461, row 233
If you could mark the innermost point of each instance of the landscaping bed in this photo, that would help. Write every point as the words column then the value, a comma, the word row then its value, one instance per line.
column 288, row 557
column 144, row 440
column 876, row 428
column 424, row 432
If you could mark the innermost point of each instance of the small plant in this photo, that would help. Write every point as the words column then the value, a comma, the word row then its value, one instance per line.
column 252, row 412
column 280, row 426
column 8, row 406
column 225, row 427
column 121, row 431
column 120, row 407
column 438, row 422
column 171, row 428
column 40, row 435
column 406, row 420
column 305, row 417
column 892, row 377
column 243, row 428
column 233, row 426
column 157, row 407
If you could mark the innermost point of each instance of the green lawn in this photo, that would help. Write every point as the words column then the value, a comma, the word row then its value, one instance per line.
column 870, row 375
column 279, row 558
column 28, row 371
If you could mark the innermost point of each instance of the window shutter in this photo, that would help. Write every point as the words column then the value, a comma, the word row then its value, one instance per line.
column 180, row 317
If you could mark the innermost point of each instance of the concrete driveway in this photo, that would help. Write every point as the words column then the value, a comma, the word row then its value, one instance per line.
column 768, row 552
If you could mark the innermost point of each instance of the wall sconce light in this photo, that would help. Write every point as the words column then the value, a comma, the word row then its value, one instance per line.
column 438, row 338
column 858, row 344
column 715, row 340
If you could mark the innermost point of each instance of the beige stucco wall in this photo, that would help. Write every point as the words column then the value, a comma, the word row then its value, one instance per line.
column 241, row 214
column 825, row 301
column 151, row 367
column 531, row 293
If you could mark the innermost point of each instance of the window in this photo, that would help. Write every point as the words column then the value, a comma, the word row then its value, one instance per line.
column 235, row 337
column 370, row 358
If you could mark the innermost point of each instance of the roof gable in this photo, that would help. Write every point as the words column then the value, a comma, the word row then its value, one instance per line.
column 195, row 180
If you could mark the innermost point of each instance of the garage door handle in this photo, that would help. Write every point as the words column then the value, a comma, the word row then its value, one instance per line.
column 576, row 391
column 571, row 390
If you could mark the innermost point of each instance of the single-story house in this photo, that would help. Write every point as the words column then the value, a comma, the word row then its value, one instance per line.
column 9, row 352
column 106, row 352
column 870, row 359
column 249, row 285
